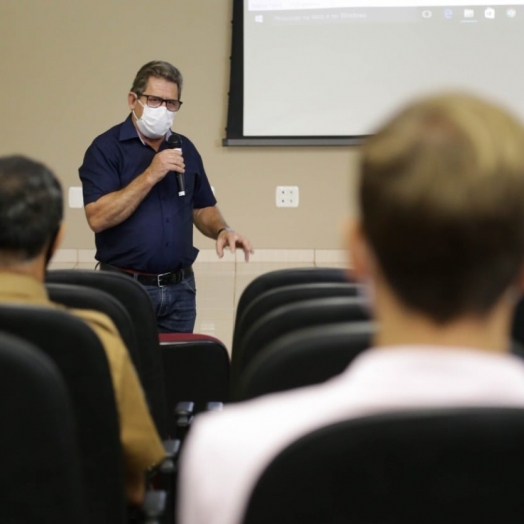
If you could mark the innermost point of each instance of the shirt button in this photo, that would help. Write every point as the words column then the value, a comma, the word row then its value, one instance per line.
column 167, row 244
column 167, row 219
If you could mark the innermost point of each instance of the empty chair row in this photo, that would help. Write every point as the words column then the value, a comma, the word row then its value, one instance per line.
column 277, row 316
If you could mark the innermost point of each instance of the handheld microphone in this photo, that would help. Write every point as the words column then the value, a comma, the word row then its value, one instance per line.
column 174, row 142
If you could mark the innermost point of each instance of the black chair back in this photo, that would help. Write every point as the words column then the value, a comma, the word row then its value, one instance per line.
column 517, row 327
column 269, row 300
column 137, row 303
column 452, row 466
column 81, row 358
column 291, row 317
column 82, row 297
column 40, row 476
column 196, row 369
column 305, row 357
column 287, row 277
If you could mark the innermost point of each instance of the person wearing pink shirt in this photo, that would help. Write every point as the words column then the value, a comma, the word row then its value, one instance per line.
column 440, row 244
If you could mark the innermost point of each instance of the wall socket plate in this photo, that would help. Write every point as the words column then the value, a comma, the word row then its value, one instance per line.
column 76, row 199
column 287, row 196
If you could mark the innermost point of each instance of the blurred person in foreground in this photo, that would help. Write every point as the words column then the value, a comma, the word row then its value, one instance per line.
column 31, row 209
column 440, row 243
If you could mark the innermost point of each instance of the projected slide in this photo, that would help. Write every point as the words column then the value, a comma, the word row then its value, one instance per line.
column 339, row 67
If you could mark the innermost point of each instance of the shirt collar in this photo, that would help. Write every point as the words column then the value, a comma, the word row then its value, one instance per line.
column 128, row 130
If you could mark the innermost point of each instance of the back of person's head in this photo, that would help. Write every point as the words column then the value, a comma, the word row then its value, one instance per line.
column 442, row 203
column 30, row 209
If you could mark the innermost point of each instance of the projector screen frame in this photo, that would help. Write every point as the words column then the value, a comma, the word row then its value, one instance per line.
column 267, row 102
column 235, row 115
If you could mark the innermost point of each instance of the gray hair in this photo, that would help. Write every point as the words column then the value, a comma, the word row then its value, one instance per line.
column 158, row 69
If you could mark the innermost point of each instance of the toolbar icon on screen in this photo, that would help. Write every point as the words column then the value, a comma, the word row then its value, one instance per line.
column 512, row 13
column 427, row 14
column 489, row 13
column 469, row 13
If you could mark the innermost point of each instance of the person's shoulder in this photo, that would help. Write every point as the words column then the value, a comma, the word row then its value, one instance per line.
column 295, row 408
column 110, row 135
column 103, row 326
column 249, row 413
column 109, row 336
column 188, row 144
column 185, row 139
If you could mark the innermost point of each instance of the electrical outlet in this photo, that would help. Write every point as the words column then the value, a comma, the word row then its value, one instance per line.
column 287, row 196
column 76, row 199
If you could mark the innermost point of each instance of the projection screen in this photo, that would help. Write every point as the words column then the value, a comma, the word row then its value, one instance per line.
column 329, row 71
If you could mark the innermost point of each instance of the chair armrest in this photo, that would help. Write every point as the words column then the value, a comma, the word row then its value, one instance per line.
column 172, row 449
column 214, row 406
column 184, row 412
column 153, row 507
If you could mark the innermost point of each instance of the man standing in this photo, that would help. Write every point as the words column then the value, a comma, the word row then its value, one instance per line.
column 142, row 226
column 441, row 237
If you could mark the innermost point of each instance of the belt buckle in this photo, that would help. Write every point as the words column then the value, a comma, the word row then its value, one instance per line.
column 159, row 277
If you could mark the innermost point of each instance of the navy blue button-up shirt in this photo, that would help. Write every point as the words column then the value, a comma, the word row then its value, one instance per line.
column 158, row 236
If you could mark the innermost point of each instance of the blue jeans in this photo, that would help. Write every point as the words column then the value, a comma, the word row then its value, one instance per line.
column 175, row 306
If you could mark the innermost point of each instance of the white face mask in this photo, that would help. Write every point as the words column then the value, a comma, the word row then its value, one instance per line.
column 155, row 121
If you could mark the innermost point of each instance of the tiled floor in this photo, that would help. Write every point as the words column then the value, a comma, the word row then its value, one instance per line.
column 220, row 282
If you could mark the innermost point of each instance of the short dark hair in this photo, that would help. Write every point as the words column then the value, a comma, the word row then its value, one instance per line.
column 31, row 207
column 442, row 201
column 157, row 69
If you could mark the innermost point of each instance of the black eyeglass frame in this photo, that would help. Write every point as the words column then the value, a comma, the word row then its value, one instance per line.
column 162, row 101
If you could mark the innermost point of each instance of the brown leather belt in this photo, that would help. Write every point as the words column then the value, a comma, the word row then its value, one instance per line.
column 164, row 279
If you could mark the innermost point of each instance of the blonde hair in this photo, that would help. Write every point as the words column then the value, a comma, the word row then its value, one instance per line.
column 442, row 200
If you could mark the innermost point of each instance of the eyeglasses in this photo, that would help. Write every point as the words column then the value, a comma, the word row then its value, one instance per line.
column 155, row 101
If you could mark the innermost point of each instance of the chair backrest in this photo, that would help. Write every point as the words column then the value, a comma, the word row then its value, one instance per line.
column 282, row 295
column 287, row 277
column 304, row 357
column 517, row 328
column 452, row 466
column 291, row 317
column 40, row 476
column 137, row 303
column 196, row 369
column 82, row 297
column 79, row 355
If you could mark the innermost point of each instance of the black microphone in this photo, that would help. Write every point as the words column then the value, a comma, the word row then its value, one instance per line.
column 175, row 142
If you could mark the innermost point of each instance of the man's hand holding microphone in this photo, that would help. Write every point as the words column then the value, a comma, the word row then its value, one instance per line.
column 170, row 159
